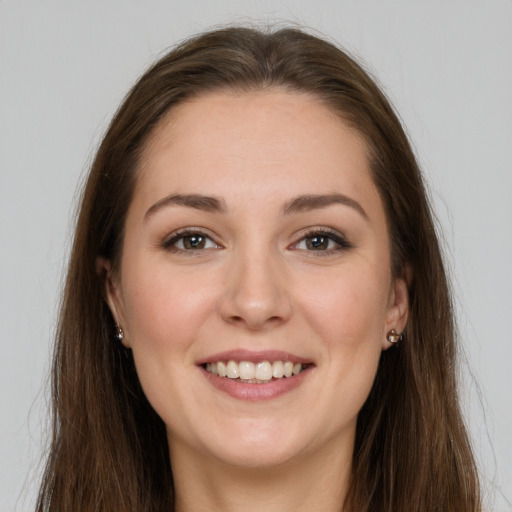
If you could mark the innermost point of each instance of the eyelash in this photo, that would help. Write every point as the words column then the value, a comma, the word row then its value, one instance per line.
column 169, row 243
column 331, row 235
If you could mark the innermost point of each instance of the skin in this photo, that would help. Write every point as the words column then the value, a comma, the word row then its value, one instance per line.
column 257, row 285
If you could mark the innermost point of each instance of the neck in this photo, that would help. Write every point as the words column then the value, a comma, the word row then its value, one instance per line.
column 316, row 481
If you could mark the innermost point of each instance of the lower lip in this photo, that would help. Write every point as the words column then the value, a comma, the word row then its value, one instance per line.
column 254, row 392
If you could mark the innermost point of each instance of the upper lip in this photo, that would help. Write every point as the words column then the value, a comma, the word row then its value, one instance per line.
column 253, row 356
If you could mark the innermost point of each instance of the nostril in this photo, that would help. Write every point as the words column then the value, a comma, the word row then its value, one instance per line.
column 255, row 323
column 256, row 301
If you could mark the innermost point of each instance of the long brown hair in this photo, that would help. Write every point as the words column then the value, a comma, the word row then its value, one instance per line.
column 109, row 448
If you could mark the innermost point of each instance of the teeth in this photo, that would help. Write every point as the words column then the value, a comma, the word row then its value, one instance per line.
column 246, row 370
column 221, row 367
column 249, row 372
column 232, row 370
column 277, row 369
column 264, row 371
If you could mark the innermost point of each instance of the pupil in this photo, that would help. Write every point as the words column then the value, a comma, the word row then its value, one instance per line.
column 194, row 242
column 318, row 242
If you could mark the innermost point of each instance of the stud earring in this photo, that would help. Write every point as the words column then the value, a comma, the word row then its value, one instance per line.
column 119, row 334
column 393, row 336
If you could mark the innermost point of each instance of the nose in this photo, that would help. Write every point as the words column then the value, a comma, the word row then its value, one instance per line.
column 255, row 295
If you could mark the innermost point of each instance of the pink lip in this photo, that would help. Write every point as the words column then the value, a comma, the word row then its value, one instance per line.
column 256, row 392
column 252, row 356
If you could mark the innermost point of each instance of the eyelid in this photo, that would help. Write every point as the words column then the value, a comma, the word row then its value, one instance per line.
column 339, row 238
column 336, row 236
column 176, row 235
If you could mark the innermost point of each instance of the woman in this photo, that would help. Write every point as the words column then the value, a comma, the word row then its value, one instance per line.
column 256, row 314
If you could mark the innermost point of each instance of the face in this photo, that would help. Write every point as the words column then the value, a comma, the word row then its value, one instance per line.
column 255, row 287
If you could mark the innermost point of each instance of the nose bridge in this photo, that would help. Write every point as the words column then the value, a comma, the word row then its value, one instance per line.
column 255, row 293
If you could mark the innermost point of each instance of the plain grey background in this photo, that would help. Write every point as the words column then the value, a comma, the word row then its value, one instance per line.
column 64, row 68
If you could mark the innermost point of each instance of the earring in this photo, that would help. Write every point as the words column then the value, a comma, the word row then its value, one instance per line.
column 119, row 334
column 393, row 336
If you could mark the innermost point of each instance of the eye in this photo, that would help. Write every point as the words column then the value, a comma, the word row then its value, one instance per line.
column 322, row 241
column 189, row 240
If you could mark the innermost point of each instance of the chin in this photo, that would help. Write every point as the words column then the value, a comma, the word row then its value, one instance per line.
column 257, row 444
column 256, row 456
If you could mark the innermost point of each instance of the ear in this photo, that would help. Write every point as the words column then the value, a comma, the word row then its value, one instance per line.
column 398, row 309
column 113, row 294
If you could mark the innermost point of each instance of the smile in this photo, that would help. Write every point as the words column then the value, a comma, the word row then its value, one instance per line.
column 254, row 373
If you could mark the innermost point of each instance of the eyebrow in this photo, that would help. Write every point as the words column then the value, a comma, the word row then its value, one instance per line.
column 213, row 204
column 196, row 201
column 310, row 202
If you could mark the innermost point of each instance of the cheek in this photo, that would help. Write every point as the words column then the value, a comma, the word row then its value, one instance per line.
column 159, row 299
column 349, row 309
column 164, row 311
column 348, row 319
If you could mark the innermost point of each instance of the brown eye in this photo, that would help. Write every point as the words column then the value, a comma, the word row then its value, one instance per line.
column 317, row 243
column 189, row 241
column 194, row 242
column 322, row 242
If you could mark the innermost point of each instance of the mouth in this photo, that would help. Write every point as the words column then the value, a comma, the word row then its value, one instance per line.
column 262, row 372
column 249, row 375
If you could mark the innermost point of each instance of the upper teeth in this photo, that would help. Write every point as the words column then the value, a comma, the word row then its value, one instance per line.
column 246, row 370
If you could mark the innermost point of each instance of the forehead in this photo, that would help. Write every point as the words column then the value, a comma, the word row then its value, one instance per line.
column 275, row 142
